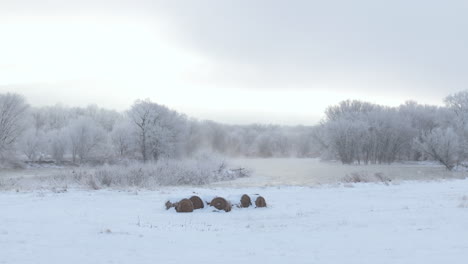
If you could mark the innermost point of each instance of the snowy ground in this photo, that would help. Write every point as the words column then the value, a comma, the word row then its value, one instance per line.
column 411, row 222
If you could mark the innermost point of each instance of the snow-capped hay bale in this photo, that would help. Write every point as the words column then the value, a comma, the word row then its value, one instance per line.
column 184, row 206
column 221, row 204
column 197, row 202
column 260, row 202
column 245, row 201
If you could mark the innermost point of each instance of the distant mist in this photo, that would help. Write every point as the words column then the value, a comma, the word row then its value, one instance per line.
column 352, row 131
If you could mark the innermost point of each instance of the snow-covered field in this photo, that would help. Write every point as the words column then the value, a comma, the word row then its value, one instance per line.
column 412, row 222
column 421, row 216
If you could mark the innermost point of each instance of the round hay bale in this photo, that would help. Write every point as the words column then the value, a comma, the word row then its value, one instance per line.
column 260, row 202
column 197, row 202
column 184, row 206
column 245, row 201
column 221, row 204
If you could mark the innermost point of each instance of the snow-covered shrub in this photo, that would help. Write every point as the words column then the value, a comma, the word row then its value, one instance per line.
column 11, row 162
column 91, row 182
column 196, row 171
column 357, row 177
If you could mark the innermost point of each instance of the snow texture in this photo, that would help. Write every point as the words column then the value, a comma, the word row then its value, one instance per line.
column 413, row 222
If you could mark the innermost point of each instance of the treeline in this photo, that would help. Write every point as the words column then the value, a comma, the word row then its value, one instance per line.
column 147, row 132
column 352, row 132
column 361, row 132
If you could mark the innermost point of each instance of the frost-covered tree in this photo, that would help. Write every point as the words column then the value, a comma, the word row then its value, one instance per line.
column 123, row 139
column 54, row 117
column 105, row 118
column 458, row 103
column 161, row 131
column 58, row 144
column 13, row 109
column 349, row 109
column 345, row 138
column 424, row 118
column 217, row 136
column 457, row 106
column 442, row 145
column 32, row 144
column 86, row 138
column 356, row 131
column 352, row 131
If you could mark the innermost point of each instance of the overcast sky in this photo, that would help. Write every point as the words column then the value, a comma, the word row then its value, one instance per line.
column 236, row 61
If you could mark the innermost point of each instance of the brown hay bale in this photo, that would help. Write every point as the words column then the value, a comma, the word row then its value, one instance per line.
column 221, row 204
column 245, row 201
column 260, row 202
column 184, row 206
column 197, row 202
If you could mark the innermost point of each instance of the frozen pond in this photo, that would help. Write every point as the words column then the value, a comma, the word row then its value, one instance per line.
column 307, row 172
column 291, row 172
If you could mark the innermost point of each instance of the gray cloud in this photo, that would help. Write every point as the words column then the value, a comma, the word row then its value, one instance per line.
column 383, row 49
column 419, row 43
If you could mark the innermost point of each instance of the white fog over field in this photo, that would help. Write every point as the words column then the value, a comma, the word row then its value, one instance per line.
column 208, row 131
column 313, row 172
